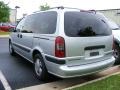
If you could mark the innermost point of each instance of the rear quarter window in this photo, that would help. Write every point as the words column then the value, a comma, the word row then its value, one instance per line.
column 85, row 24
column 45, row 23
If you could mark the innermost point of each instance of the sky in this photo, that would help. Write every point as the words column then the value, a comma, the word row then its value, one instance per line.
column 29, row 6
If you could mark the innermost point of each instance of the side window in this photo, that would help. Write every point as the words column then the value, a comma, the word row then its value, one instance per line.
column 45, row 23
column 27, row 27
column 20, row 25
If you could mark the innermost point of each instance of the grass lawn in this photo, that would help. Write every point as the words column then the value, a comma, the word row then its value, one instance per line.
column 4, row 33
column 110, row 83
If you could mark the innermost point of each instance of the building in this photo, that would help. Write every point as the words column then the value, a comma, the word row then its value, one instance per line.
column 13, row 13
column 113, row 14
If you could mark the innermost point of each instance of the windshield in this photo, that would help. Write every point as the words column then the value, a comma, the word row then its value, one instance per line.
column 84, row 24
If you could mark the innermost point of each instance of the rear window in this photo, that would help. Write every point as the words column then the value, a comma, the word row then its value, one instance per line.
column 85, row 24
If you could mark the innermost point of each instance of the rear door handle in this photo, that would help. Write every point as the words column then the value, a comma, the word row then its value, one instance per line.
column 20, row 35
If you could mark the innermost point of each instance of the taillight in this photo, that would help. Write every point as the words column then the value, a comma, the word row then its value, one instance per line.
column 60, row 47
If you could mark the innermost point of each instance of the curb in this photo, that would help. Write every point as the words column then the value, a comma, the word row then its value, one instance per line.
column 74, row 82
column 4, row 36
column 89, row 82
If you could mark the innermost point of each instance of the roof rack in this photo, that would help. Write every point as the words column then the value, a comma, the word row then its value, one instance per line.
column 89, row 11
column 62, row 7
column 36, row 12
column 59, row 7
column 93, row 11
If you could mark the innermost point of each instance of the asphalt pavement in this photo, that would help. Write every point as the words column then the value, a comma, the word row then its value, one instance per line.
column 18, row 72
column 1, row 86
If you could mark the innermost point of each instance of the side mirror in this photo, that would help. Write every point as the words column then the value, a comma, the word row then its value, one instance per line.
column 13, row 30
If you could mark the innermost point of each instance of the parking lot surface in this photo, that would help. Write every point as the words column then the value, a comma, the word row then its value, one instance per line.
column 18, row 72
column 1, row 86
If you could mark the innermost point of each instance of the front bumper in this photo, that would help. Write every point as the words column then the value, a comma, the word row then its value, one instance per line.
column 65, row 71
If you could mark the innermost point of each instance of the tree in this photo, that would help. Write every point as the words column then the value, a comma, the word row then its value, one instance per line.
column 4, row 12
column 44, row 7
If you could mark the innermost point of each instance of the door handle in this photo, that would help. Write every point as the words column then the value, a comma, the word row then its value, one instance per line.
column 20, row 35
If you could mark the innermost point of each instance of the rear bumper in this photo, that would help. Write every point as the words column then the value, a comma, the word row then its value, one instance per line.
column 65, row 71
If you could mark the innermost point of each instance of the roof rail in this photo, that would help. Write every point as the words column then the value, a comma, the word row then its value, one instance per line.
column 62, row 7
column 36, row 12
column 59, row 7
column 89, row 11
column 93, row 11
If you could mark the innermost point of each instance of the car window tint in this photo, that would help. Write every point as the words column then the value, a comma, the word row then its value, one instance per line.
column 27, row 27
column 45, row 22
column 84, row 24
column 20, row 25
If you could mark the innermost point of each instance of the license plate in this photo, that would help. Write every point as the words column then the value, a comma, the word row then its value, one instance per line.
column 94, row 53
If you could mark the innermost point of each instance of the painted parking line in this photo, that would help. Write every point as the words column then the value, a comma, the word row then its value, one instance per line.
column 4, row 82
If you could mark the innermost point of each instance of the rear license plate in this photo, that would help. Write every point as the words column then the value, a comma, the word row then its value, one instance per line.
column 94, row 53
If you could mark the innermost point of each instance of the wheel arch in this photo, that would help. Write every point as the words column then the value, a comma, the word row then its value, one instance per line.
column 36, row 51
column 9, row 40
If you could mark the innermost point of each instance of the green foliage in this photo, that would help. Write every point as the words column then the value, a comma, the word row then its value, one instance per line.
column 4, row 33
column 110, row 83
column 44, row 7
column 4, row 12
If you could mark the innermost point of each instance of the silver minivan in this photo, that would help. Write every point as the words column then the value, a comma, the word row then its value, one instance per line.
column 66, row 42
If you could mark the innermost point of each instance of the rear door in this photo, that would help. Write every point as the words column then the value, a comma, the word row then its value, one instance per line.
column 88, row 36
column 44, row 28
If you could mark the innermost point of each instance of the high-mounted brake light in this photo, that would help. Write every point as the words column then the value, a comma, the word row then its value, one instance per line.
column 60, row 47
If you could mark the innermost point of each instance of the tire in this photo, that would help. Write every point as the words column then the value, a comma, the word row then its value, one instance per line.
column 117, row 54
column 40, row 68
column 11, row 50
